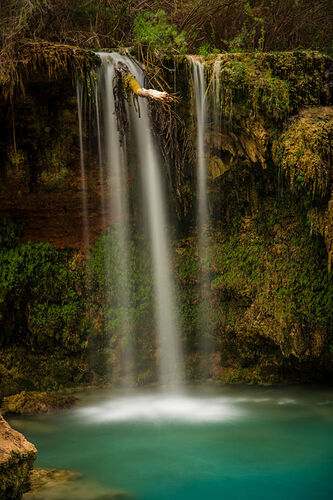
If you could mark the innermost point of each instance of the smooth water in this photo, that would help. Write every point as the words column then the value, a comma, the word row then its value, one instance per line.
column 170, row 358
column 114, row 162
column 199, row 87
column 201, row 116
column 114, row 155
column 239, row 443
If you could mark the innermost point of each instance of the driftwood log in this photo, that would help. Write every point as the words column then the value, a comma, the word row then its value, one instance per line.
column 131, row 84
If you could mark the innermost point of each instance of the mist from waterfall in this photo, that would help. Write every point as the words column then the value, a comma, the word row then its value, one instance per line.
column 85, row 235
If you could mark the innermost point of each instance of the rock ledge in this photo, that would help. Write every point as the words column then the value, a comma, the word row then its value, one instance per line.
column 17, row 456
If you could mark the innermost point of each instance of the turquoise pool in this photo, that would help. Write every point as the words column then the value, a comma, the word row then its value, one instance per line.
column 235, row 443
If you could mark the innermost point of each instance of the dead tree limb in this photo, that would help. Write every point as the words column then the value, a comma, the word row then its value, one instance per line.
column 130, row 84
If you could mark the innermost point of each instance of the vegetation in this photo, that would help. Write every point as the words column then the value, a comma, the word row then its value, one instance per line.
column 68, row 320
column 273, row 85
column 225, row 24
column 75, row 313
column 305, row 151
column 270, row 297
column 154, row 33
column 42, row 295
column 270, row 301
column 198, row 27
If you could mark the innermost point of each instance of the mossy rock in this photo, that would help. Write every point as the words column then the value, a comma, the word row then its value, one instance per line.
column 30, row 403
column 305, row 150
column 55, row 484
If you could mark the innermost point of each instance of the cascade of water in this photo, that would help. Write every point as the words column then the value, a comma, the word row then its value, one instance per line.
column 170, row 357
column 113, row 157
column 199, row 87
column 113, row 163
column 201, row 113
column 217, row 97
column 79, row 96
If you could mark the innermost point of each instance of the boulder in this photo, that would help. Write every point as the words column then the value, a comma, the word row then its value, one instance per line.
column 17, row 456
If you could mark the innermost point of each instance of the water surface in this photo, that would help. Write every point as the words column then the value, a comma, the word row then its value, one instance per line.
column 238, row 443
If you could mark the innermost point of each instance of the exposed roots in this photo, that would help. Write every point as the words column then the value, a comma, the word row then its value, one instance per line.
column 55, row 58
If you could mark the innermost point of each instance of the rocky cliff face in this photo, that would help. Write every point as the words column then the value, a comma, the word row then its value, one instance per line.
column 270, row 203
column 41, row 184
column 17, row 456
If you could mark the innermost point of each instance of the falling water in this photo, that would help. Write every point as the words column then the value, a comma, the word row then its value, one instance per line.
column 199, row 87
column 170, row 357
column 201, row 114
column 113, row 157
column 79, row 95
column 217, row 98
column 113, row 167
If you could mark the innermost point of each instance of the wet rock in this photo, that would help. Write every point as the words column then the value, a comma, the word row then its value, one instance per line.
column 54, row 484
column 29, row 403
column 17, row 456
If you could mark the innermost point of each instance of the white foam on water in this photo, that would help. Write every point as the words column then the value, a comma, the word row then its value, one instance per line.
column 286, row 401
column 162, row 407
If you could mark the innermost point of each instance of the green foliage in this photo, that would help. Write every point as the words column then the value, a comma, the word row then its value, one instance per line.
column 121, row 281
column 81, row 9
column 41, row 297
column 240, row 268
column 206, row 49
column 272, row 85
column 242, row 39
column 268, row 290
column 247, row 82
column 154, row 32
column 54, row 302
column 9, row 233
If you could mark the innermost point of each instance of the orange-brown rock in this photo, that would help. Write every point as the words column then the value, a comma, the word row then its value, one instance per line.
column 17, row 456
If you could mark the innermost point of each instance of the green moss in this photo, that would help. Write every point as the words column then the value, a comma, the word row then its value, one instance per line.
column 270, row 299
column 65, row 320
column 273, row 84
column 305, row 151
column 41, row 296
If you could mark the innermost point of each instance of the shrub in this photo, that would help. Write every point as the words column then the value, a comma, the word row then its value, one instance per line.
column 153, row 32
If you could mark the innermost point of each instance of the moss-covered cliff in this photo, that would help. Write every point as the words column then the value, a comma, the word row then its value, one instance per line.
column 269, row 291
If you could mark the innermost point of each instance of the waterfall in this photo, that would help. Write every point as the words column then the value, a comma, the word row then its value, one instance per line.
column 112, row 157
column 79, row 97
column 201, row 115
column 217, row 97
column 168, row 333
column 200, row 88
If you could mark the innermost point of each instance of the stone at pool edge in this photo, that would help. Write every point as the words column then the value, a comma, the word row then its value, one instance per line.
column 33, row 402
column 57, row 484
column 17, row 457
